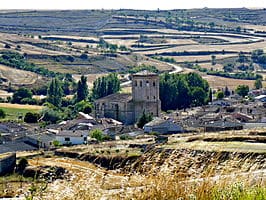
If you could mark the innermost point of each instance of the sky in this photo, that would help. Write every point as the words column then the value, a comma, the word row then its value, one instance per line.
column 129, row 4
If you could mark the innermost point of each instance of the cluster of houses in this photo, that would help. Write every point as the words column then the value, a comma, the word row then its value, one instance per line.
column 116, row 114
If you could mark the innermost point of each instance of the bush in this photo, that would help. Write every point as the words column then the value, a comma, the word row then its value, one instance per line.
column 2, row 113
column 51, row 116
column 97, row 134
column 31, row 117
column 22, row 164
column 29, row 101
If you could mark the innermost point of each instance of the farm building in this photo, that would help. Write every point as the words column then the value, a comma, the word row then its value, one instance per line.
column 222, row 126
column 41, row 140
column 162, row 126
column 69, row 137
column 128, row 108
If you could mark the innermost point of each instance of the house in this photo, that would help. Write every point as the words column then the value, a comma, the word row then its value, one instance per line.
column 69, row 137
column 128, row 108
column 261, row 98
column 242, row 117
column 162, row 126
column 222, row 125
column 41, row 140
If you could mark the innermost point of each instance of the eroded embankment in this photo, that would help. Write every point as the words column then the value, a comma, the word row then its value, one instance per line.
column 110, row 162
column 181, row 162
column 196, row 163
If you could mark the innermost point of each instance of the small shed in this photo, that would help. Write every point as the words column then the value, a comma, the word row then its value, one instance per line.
column 162, row 126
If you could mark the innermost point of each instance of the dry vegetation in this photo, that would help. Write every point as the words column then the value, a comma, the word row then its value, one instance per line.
column 179, row 169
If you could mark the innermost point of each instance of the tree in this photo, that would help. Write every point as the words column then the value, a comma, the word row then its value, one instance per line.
column 82, row 89
column 228, row 67
column 144, row 119
column 210, row 95
column 226, row 91
column 213, row 59
column 106, row 85
column 31, row 117
column 182, row 90
column 55, row 93
column 83, row 106
column 20, row 94
column 220, row 95
column 242, row 90
column 258, row 83
column 51, row 116
column 97, row 134
column 2, row 113
column 22, row 164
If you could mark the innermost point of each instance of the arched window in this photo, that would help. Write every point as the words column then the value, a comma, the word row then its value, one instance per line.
column 154, row 84
column 136, row 83
column 147, row 83
column 140, row 83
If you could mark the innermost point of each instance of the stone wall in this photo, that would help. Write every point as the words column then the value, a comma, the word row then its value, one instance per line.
column 7, row 163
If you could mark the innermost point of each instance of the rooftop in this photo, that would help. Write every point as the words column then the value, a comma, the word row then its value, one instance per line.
column 117, row 97
column 70, row 133
column 145, row 73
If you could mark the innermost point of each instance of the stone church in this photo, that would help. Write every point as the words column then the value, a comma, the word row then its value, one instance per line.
column 128, row 108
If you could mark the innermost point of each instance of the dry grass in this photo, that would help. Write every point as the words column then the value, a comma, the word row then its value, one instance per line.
column 206, row 58
column 222, row 82
column 18, row 77
column 20, row 106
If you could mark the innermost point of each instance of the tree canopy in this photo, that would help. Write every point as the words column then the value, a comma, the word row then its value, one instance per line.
column 55, row 93
column 20, row 94
column 242, row 90
column 106, row 85
column 183, row 90
column 82, row 89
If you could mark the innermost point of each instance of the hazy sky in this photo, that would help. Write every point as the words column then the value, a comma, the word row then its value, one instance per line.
column 133, row 4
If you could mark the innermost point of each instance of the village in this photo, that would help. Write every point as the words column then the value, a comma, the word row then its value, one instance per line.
column 230, row 113
column 133, row 104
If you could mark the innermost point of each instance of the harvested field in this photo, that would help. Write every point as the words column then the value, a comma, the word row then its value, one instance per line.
column 20, row 106
column 209, row 66
column 222, row 82
column 200, row 58
column 18, row 77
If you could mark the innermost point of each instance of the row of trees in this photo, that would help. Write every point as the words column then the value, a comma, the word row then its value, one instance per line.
column 105, row 85
column 182, row 91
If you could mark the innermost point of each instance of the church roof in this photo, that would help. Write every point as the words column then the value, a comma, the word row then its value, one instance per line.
column 144, row 73
column 117, row 97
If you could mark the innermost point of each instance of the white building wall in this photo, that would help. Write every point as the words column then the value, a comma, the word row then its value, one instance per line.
column 72, row 140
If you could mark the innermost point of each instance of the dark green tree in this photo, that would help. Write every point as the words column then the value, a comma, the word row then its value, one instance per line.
column 144, row 119
column 21, row 94
column 82, row 89
column 258, row 83
column 106, row 85
column 213, row 59
column 2, row 113
column 210, row 95
column 242, row 90
column 226, row 91
column 31, row 117
column 220, row 95
column 55, row 93
column 182, row 90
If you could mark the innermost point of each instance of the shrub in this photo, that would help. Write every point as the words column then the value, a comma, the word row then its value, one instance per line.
column 2, row 113
column 31, row 117
column 97, row 134
column 51, row 116
column 22, row 164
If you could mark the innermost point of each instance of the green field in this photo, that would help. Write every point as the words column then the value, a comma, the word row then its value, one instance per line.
column 17, row 113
